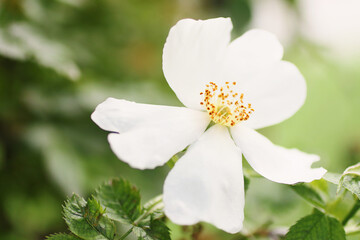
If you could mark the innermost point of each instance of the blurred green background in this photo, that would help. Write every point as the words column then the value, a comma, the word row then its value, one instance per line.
column 60, row 58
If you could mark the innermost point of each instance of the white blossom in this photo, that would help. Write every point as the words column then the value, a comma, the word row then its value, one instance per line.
column 240, row 86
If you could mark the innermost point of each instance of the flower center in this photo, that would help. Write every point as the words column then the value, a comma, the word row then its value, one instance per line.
column 224, row 105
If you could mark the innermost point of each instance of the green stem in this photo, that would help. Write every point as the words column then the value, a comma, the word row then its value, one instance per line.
column 150, row 209
column 172, row 161
column 126, row 234
column 352, row 212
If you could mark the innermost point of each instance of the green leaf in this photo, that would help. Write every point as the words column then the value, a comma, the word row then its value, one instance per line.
column 332, row 177
column 309, row 194
column 351, row 183
column 155, row 229
column 121, row 199
column 154, row 207
column 350, row 180
column 62, row 236
column 122, row 202
column 316, row 226
column 320, row 185
column 355, row 170
column 87, row 220
column 158, row 230
column 150, row 225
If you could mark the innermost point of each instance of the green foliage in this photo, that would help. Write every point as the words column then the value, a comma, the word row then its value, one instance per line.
column 333, row 178
column 155, row 229
column 316, row 226
column 122, row 202
column 117, row 200
column 62, row 236
column 320, row 185
column 87, row 220
column 154, row 206
column 121, row 199
column 355, row 170
column 350, row 180
column 351, row 183
column 309, row 194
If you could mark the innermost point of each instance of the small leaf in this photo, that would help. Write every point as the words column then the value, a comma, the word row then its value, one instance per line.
column 87, row 220
column 351, row 183
column 355, row 169
column 332, row 177
column 320, row 185
column 122, row 202
column 121, row 199
column 153, row 208
column 309, row 194
column 62, row 236
column 316, row 226
column 351, row 180
column 155, row 229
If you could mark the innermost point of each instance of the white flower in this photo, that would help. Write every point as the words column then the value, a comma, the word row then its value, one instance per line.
column 241, row 86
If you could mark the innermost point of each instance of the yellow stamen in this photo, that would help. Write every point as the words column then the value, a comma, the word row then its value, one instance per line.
column 223, row 104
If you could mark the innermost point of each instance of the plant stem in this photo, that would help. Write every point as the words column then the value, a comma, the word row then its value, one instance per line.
column 352, row 212
column 172, row 161
column 150, row 209
column 126, row 234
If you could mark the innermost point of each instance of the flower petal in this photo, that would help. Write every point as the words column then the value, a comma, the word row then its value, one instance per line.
column 207, row 183
column 253, row 51
column 276, row 163
column 192, row 56
column 276, row 94
column 149, row 134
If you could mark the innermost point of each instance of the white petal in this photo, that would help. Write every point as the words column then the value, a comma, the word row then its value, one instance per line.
column 276, row 163
column 253, row 51
column 149, row 134
column 207, row 183
column 192, row 55
column 276, row 94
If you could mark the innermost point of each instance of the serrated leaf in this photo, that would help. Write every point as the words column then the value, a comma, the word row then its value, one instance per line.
column 87, row 220
column 121, row 199
column 122, row 203
column 155, row 229
column 316, row 226
column 158, row 230
column 309, row 194
column 62, row 236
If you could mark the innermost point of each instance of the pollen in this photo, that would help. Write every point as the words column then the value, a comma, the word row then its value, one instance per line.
column 224, row 105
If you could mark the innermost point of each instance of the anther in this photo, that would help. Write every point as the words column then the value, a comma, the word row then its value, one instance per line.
column 223, row 104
